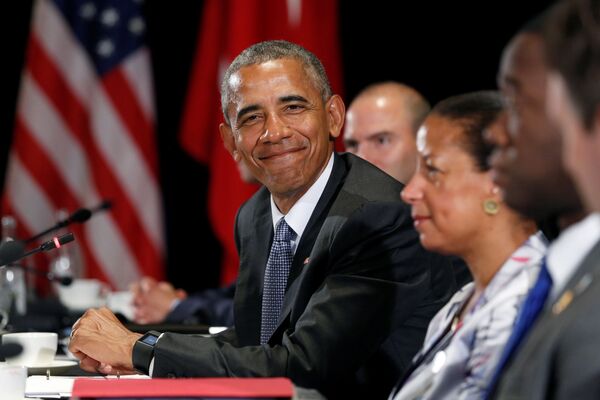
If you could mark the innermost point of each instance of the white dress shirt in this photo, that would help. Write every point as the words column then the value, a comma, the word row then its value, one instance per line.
column 567, row 252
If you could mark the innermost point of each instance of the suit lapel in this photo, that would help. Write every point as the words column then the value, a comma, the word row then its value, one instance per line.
column 311, row 232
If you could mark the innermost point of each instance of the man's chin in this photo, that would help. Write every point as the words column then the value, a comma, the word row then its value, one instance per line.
column 285, row 184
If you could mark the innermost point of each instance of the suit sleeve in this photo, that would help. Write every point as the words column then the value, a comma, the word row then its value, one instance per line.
column 371, row 261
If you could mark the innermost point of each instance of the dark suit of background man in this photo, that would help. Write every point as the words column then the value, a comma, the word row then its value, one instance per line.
column 360, row 290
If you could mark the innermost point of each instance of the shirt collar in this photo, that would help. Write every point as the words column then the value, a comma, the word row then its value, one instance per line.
column 568, row 251
column 298, row 216
column 528, row 255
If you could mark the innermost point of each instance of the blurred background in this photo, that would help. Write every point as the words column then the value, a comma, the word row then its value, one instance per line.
column 439, row 48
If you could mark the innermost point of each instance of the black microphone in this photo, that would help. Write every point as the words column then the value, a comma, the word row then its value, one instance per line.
column 104, row 205
column 11, row 251
column 79, row 216
column 10, row 349
column 14, row 250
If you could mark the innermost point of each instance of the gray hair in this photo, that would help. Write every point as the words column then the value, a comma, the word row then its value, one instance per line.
column 274, row 50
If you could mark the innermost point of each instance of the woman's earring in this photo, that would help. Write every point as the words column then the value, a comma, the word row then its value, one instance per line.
column 491, row 206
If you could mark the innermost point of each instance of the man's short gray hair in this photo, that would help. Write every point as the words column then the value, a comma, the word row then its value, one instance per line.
column 274, row 50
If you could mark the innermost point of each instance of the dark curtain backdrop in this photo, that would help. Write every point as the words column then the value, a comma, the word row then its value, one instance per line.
column 440, row 49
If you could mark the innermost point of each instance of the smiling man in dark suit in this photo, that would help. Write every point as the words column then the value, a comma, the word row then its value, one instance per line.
column 332, row 277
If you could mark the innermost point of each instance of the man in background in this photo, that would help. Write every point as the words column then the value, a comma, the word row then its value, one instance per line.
column 381, row 127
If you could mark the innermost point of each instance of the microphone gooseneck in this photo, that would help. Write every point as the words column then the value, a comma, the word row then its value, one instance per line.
column 14, row 250
column 79, row 216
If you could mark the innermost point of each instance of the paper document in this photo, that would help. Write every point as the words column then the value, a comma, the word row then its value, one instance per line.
column 56, row 387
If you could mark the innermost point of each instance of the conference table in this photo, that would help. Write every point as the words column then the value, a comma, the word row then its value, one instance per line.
column 67, row 380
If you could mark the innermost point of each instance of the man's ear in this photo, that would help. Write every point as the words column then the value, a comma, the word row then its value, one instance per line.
column 336, row 112
column 229, row 140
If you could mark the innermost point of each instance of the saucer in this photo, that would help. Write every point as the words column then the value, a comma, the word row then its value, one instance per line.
column 55, row 367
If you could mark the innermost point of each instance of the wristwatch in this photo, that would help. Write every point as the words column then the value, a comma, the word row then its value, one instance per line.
column 143, row 351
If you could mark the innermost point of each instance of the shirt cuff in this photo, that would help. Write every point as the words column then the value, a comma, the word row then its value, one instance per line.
column 174, row 304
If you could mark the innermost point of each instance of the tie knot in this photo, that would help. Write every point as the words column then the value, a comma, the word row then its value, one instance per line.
column 284, row 232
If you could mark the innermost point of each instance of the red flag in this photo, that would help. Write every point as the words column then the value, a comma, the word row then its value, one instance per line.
column 84, row 132
column 227, row 28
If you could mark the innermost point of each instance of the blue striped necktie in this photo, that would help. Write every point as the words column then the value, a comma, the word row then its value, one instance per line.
column 530, row 310
column 275, row 282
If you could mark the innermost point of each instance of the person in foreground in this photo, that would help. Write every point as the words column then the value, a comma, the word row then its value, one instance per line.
column 526, row 164
column 558, row 358
column 458, row 210
column 330, row 265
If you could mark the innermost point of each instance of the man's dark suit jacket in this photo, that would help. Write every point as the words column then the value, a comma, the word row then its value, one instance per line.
column 360, row 294
column 560, row 358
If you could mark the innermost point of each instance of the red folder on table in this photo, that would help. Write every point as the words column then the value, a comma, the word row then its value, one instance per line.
column 189, row 388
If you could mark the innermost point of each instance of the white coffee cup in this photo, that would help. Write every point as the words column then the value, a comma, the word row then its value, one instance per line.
column 13, row 379
column 39, row 348
column 82, row 294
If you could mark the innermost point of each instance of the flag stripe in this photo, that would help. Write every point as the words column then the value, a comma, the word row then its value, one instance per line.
column 114, row 143
column 32, row 156
column 54, row 37
column 138, row 74
column 25, row 191
column 122, row 96
column 42, row 120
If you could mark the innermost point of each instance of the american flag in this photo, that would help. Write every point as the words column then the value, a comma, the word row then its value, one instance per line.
column 84, row 132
